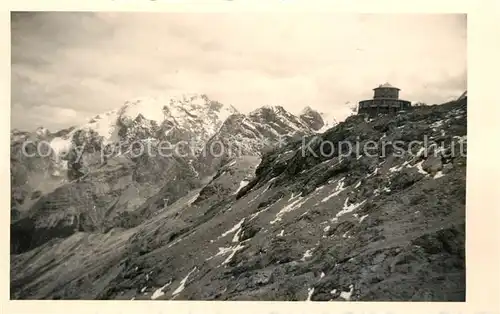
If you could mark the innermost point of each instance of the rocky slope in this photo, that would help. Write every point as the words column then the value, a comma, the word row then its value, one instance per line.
column 116, row 171
column 254, row 134
column 32, row 175
column 70, row 154
column 301, row 222
column 313, row 118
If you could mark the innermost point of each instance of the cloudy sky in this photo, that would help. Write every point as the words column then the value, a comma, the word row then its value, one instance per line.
column 68, row 67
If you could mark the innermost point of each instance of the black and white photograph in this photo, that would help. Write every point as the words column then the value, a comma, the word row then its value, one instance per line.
column 238, row 156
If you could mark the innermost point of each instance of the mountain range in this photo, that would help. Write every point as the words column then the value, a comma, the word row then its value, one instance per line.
column 94, row 176
column 244, row 211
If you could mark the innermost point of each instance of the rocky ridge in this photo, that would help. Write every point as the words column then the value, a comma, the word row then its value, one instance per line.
column 95, row 178
column 300, row 222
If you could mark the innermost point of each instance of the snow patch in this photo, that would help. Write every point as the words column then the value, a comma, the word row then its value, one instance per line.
column 159, row 292
column 419, row 168
column 182, row 285
column 254, row 215
column 373, row 173
column 236, row 237
column 438, row 175
column 362, row 218
column 395, row 169
column 310, row 292
column 226, row 250
column 233, row 251
column 233, row 229
column 339, row 188
column 296, row 203
column 268, row 186
column 307, row 254
column 420, row 151
column 242, row 185
column 399, row 168
column 222, row 251
column 151, row 109
column 348, row 208
column 191, row 201
column 347, row 295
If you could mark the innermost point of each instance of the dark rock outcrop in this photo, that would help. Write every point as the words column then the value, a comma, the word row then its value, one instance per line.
column 312, row 118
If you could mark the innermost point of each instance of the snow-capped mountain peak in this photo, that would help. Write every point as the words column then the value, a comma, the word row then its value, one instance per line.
column 188, row 112
column 306, row 110
column 278, row 115
column 179, row 108
column 277, row 109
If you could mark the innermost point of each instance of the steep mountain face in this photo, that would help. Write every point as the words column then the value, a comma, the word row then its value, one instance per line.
column 103, row 199
column 312, row 118
column 69, row 154
column 193, row 118
column 91, row 177
column 30, row 174
column 126, row 164
column 252, row 135
column 306, row 221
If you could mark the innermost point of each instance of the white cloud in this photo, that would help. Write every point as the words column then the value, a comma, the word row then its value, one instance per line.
column 91, row 63
column 39, row 115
